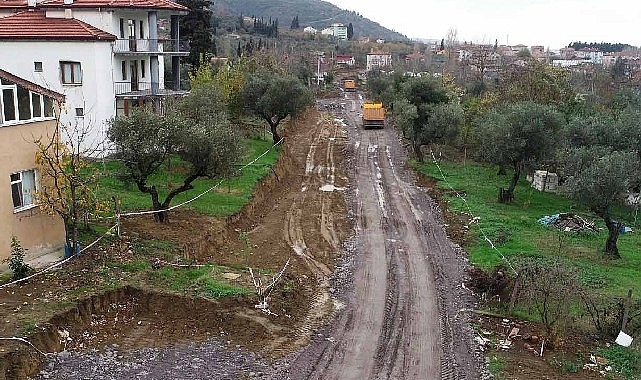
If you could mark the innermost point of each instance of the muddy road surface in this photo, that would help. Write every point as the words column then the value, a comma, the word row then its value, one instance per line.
column 403, row 315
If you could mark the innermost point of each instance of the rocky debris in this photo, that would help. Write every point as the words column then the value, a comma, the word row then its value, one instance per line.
column 210, row 360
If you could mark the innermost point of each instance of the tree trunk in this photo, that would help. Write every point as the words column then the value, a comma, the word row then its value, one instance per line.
column 614, row 228
column 274, row 129
column 501, row 170
column 417, row 151
column 515, row 179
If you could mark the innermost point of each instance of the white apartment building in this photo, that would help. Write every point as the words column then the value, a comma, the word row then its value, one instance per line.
column 377, row 60
column 337, row 30
column 104, row 56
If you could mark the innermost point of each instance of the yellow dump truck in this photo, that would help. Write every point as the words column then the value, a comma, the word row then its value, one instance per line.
column 349, row 85
column 373, row 115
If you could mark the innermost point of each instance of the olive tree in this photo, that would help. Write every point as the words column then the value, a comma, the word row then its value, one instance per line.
column 195, row 129
column 273, row 97
column 425, row 114
column 598, row 177
column 519, row 134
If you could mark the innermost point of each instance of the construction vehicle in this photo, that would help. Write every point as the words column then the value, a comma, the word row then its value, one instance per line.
column 373, row 115
column 349, row 85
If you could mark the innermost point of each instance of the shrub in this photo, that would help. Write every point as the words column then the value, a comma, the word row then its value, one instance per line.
column 16, row 260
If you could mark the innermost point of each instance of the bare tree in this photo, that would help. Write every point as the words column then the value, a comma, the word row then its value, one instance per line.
column 68, row 180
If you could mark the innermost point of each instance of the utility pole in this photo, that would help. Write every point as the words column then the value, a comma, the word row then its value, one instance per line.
column 318, row 68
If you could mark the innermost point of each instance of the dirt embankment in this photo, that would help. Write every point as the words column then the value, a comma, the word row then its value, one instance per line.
column 289, row 217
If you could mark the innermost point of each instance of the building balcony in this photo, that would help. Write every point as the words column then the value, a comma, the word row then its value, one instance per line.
column 141, row 89
column 135, row 46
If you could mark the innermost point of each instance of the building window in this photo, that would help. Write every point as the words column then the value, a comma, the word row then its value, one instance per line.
column 24, row 104
column 142, row 68
column 142, row 34
column 18, row 104
column 80, row 112
column 23, row 187
column 123, row 69
column 122, row 28
column 9, row 104
column 36, row 105
column 37, row 67
column 71, row 72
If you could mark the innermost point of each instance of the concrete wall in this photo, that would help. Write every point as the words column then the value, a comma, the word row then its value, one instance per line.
column 36, row 231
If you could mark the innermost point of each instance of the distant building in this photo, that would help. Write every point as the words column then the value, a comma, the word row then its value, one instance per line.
column 337, row 30
column 310, row 30
column 378, row 59
column 345, row 60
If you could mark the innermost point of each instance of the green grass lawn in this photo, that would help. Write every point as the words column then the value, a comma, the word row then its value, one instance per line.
column 226, row 199
column 515, row 231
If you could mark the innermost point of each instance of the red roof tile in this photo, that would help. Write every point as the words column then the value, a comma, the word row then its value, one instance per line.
column 34, row 25
column 136, row 4
column 31, row 86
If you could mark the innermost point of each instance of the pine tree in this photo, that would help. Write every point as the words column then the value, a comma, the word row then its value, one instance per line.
column 350, row 31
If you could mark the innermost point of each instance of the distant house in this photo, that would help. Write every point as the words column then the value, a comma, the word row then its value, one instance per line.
column 310, row 30
column 28, row 113
column 378, row 59
column 345, row 60
column 337, row 30
column 105, row 56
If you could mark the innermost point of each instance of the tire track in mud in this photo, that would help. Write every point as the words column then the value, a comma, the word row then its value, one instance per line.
column 402, row 313
column 318, row 182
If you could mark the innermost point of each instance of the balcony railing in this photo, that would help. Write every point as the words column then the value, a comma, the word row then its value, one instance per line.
column 134, row 45
column 143, row 88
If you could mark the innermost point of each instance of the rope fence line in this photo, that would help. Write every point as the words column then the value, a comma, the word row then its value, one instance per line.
column 201, row 194
column 469, row 209
column 59, row 263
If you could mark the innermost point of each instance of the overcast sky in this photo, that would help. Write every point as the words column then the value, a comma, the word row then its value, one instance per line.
column 551, row 23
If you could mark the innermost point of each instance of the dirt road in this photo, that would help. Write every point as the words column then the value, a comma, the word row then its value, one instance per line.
column 401, row 319
column 379, row 297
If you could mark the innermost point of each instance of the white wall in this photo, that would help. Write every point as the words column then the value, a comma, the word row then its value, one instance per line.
column 95, row 95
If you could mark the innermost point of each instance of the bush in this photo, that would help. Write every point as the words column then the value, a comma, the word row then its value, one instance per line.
column 16, row 261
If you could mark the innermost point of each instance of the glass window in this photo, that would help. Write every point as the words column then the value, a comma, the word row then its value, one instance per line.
column 24, row 104
column 142, row 68
column 37, row 67
column 48, row 107
column 123, row 69
column 9, row 107
column 23, row 186
column 71, row 72
column 36, row 104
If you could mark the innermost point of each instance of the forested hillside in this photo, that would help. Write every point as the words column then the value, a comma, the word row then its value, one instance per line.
column 315, row 13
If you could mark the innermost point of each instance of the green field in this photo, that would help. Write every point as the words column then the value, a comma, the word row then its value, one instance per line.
column 228, row 195
column 515, row 232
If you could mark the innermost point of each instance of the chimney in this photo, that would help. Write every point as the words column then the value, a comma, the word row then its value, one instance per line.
column 68, row 13
column 68, row 2
column 31, row 3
